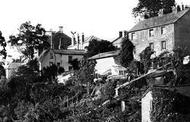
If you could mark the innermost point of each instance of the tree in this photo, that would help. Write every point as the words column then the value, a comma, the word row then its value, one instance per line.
column 60, row 40
column 96, row 47
column 31, row 37
column 126, row 52
column 149, row 8
column 3, row 44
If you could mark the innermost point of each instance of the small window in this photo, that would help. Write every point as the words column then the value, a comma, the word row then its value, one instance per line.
column 70, row 58
column 58, row 64
column 163, row 45
column 70, row 68
column 151, row 46
column 163, row 30
column 151, row 32
column 121, row 72
column 133, row 36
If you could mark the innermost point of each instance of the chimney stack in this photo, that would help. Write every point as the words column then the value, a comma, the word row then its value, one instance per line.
column 61, row 29
column 78, row 41
column 120, row 34
column 182, row 7
column 82, row 38
column 125, row 33
column 174, row 9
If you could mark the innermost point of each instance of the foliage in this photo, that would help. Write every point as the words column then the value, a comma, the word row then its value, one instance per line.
column 145, row 56
column 75, row 64
column 31, row 37
column 126, row 52
column 149, row 9
column 169, row 106
column 86, row 72
column 60, row 40
column 96, row 47
column 3, row 44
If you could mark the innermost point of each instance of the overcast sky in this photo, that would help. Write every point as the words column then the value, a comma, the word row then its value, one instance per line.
column 102, row 18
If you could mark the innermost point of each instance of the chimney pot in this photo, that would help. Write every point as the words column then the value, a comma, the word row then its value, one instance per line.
column 61, row 29
column 125, row 33
column 120, row 34
column 82, row 38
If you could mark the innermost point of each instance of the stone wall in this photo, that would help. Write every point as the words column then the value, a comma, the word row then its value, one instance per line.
column 142, row 39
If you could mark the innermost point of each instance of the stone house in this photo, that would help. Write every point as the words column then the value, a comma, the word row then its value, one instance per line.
column 161, row 33
column 60, row 57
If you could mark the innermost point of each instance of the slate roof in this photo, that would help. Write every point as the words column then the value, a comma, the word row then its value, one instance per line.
column 159, row 21
column 105, row 55
column 70, row 52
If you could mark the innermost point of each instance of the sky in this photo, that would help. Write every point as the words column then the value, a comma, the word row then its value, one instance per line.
column 102, row 18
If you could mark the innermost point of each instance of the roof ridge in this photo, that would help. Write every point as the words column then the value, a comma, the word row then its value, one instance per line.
column 159, row 20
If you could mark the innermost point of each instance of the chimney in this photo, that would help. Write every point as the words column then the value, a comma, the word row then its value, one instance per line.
column 174, row 9
column 182, row 7
column 120, row 34
column 78, row 41
column 51, row 40
column 61, row 29
column 125, row 33
column 82, row 38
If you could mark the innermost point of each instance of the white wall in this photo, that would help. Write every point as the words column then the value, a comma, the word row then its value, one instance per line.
column 104, row 64
column 146, row 107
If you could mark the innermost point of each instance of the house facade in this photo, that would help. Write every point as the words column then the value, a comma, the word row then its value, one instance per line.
column 162, row 33
column 60, row 57
column 107, row 64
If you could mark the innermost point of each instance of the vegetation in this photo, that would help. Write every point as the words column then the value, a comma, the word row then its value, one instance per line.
column 96, row 47
column 60, row 40
column 126, row 52
column 169, row 106
column 3, row 45
column 149, row 9
column 31, row 37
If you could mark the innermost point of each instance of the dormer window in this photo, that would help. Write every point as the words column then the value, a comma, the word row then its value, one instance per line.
column 151, row 32
column 163, row 30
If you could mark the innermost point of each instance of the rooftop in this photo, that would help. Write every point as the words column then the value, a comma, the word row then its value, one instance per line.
column 159, row 20
column 105, row 55
column 70, row 52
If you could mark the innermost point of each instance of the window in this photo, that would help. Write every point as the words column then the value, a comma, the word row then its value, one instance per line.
column 163, row 30
column 163, row 45
column 70, row 58
column 58, row 64
column 121, row 72
column 70, row 68
column 133, row 36
column 151, row 32
column 151, row 46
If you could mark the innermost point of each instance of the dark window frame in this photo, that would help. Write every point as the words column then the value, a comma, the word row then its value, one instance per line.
column 163, row 30
column 163, row 45
column 151, row 46
column 151, row 32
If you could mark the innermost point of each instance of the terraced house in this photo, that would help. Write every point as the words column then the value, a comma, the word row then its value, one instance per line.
column 165, row 32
